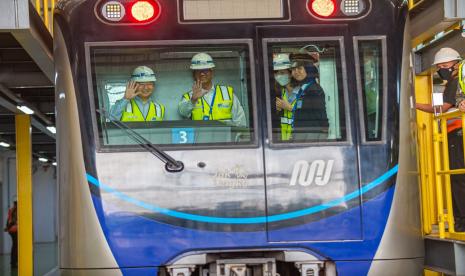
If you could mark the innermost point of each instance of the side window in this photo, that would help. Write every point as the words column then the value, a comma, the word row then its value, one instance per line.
column 306, row 91
column 371, row 83
column 173, row 95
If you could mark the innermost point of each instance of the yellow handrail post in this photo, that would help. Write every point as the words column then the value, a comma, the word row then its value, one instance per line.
column 38, row 7
column 24, row 189
column 51, row 25
column 447, row 178
column 437, row 162
column 46, row 19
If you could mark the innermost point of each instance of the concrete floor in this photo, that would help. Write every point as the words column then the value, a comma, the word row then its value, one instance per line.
column 45, row 260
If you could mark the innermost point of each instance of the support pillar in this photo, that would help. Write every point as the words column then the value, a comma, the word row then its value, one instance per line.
column 24, row 190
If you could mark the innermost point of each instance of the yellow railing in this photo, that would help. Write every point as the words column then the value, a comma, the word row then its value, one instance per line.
column 413, row 3
column 436, row 195
column 45, row 10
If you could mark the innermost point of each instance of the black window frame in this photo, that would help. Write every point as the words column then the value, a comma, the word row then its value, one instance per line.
column 266, row 69
column 361, row 93
column 93, row 97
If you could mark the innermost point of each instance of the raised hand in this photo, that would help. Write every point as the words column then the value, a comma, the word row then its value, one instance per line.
column 131, row 89
column 197, row 91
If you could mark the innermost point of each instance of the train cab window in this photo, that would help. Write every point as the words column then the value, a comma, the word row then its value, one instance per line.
column 306, row 92
column 371, row 82
column 172, row 95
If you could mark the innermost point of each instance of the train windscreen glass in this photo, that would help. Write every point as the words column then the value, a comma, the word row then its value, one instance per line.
column 309, row 105
column 151, row 90
column 371, row 73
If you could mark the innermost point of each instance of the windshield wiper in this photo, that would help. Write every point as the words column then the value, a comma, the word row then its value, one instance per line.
column 171, row 165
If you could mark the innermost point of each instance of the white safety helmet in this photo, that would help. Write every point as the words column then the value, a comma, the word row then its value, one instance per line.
column 143, row 74
column 202, row 61
column 281, row 61
column 446, row 55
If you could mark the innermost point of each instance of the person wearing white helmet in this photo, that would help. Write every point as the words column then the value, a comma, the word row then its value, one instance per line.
column 285, row 100
column 447, row 62
column 207, row 101
column 137, row 104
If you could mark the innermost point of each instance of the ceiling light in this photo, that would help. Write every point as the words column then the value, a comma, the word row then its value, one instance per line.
column 25, row 109
column 5, row 145
column 54, row 164
column 41, row 159
column 52, row 129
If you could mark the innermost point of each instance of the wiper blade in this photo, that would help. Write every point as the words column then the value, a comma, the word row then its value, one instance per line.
column 171, row 165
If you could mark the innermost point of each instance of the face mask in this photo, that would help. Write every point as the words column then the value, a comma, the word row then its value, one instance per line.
column 446, row 73
column 282, row 79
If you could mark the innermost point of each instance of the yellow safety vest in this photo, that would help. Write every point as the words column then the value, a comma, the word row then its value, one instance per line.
column 133, row 113
column 287, row 118
column 221, row 109
column 462, row 77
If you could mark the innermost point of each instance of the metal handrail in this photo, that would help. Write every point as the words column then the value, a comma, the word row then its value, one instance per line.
column 412, row 5
column 436, row 194
column 45, row 10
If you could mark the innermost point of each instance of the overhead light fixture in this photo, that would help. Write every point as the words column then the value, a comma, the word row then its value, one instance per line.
column 42, row 159
column 54, row 164
column 52, row 129
column 25, row 109
column 5, row 145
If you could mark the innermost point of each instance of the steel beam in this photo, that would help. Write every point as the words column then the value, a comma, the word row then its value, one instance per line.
column 446, row 256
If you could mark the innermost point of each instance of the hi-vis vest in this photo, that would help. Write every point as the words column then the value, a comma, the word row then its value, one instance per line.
column 287, row 119
column 222, row 105
column 462, row 77
column 133, row 113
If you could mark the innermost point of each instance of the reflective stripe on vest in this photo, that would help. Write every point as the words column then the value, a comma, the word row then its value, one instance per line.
column 286, row 119
column 133, row 114
column 222, row 105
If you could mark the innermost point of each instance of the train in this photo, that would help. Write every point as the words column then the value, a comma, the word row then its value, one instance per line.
column 179, row 196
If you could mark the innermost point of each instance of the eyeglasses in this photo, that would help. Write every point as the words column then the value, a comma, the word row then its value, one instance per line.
column 203, row 71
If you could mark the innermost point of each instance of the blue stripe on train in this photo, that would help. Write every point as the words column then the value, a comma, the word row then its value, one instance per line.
column 223, row 220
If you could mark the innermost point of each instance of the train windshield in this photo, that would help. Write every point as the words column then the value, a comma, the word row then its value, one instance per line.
column 307, row 99
column 165, row 93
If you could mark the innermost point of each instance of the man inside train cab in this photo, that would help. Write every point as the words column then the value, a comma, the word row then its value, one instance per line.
column 208, row 101
column 447, row 62
column 137, row 104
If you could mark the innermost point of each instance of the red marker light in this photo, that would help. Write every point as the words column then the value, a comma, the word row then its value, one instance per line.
column 144, row 11
column 323, row 8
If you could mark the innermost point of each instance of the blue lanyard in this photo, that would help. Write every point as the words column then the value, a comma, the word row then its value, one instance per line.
column 211, row 105
column 297, row 98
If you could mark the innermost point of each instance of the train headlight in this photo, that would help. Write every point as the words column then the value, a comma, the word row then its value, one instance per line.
column 333, row 10
column 352, row 7
column 127, row 12
column 142, row 11
column 323, row 8
column 113, row 11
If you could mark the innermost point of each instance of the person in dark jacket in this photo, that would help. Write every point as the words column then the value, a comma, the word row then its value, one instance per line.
column 310, row 119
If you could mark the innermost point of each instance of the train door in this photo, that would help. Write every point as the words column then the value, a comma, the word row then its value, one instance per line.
column 311, row 171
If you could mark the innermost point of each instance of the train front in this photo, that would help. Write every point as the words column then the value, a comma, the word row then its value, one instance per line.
column 221, row 138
